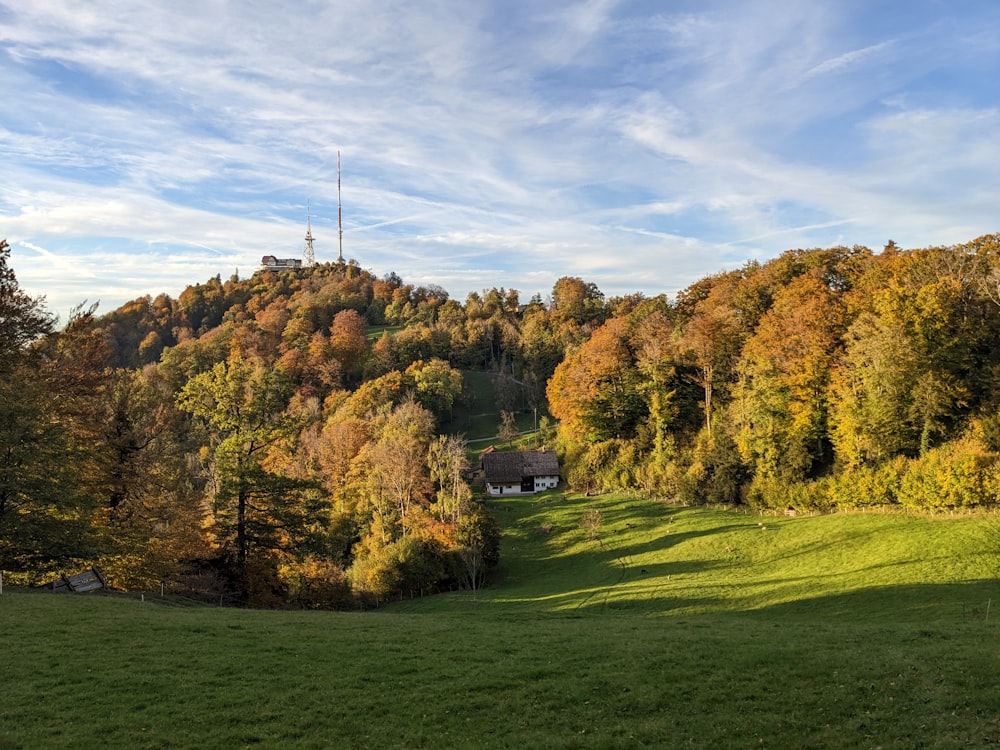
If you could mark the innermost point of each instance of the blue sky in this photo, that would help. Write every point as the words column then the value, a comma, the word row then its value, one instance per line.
column 147, row 145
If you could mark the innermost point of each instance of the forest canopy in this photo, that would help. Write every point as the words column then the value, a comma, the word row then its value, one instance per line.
column 291, row 439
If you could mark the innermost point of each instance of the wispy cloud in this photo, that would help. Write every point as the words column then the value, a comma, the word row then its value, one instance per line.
column 499, row 143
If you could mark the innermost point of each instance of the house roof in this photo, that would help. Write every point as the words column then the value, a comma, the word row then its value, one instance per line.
column 512, row 466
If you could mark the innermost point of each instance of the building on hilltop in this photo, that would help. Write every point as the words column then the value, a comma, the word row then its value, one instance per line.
column 520, row 472
column 272, row 263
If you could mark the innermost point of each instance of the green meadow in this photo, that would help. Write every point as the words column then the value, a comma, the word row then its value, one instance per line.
column 614, row 622
column 475, row 415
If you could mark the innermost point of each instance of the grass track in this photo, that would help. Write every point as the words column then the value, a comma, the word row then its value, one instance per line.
column 834, row 631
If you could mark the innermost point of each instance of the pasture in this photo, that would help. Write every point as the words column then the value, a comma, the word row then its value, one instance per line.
column 657, row 627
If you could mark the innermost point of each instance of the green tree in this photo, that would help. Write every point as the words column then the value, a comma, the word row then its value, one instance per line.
column 23, row 318
column 478, row 538
column 436, row 385
column 256, row 511
column 45, row 511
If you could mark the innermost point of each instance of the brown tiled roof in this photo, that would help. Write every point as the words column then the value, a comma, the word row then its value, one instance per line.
column 508, row 467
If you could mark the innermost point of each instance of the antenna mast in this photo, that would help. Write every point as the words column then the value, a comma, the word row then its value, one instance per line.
column 310, row 254
column 340, row 226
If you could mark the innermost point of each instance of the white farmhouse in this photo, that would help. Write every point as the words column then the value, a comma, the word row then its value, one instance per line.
column 520, row 472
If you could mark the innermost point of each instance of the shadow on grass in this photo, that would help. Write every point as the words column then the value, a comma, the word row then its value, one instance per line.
column 972, row 601
column 653, row 559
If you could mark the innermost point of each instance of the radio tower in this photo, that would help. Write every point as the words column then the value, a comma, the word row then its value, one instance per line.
column 309, row 256
column 340, row 226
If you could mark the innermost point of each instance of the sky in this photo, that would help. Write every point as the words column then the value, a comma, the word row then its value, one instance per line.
column 640, row 145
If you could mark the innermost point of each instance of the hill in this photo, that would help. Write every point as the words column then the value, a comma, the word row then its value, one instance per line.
column 296, row 438
column 671, row 627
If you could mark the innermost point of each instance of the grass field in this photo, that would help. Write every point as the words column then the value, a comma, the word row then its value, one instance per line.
column 665, row 627
column 476, row 415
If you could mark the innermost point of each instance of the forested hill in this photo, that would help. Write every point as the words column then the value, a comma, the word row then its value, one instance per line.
column 278, row 439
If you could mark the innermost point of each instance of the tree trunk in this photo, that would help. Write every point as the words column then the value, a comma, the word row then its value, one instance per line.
column 242, row 543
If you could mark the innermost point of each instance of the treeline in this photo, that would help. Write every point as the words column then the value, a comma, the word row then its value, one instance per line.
column 822, row 379
column 283, row 439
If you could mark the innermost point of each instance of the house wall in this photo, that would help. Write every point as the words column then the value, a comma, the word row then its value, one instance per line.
column 540, row 484
column 546, row 483
column 506, row 489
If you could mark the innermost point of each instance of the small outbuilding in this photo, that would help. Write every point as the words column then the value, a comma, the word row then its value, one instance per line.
column 88, row 580
column 520, row 472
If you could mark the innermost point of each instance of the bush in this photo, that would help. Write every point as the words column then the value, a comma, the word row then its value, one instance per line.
column 773, row 494
column 960, row 474
column 317, row 584
column 866, row 487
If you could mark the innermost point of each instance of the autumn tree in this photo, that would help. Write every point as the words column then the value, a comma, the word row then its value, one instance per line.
column 448, row 463
column 710, row 342
column 389, row 474
column 152, row 519
column 349, row 342
column 46, row 496
column 478, row 549
column 256, row 511
column 595, row 390
column 786, row 372
column 575, row 300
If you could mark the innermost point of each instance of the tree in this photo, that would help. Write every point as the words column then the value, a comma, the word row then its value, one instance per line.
column 44, row 513
column 710, row 343
column 152, row 519
column 478, row 538
column 655, row 360
column 22, row 317
column 349, row 342
column 786, row 372
column 256, row 511
column 915, row 346
column 45, row 510
column 595, row 390
column 590, row 522
column 573, row 299
column 447, row 462
column 436, row 385
column 507, row 431
column 389, row 474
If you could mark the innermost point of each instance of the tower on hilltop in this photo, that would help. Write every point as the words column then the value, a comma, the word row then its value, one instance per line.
column 340, row 225
column 309, row 255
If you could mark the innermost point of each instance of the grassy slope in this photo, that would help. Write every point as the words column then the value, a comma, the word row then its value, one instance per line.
column 476, row 415
column 699, row 561
column 835, row 631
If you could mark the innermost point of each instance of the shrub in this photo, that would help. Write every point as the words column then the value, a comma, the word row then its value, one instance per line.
column 960, row 474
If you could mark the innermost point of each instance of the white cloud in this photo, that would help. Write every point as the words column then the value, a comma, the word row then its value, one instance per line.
column 155, row 145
